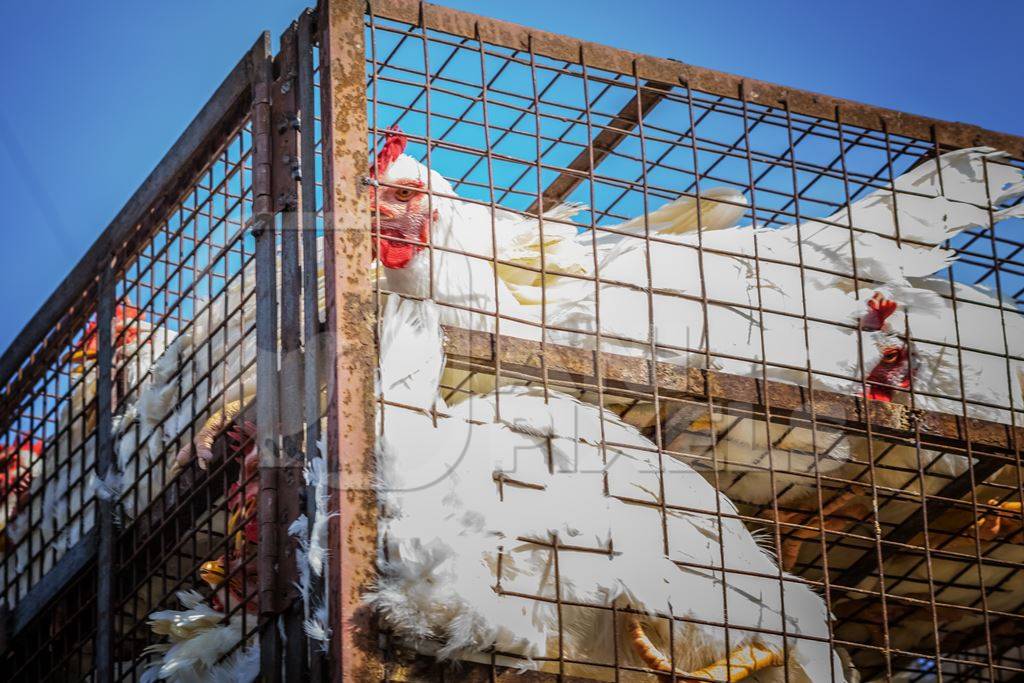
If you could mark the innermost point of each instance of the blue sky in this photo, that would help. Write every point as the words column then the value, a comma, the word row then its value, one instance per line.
column 96, row 93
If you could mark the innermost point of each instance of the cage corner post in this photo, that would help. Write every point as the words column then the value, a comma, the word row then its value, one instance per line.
column 354, row 653
column 104, row 654
column 267, row 412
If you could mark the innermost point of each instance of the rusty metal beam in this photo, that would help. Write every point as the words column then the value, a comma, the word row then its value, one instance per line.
column 614, row 132
column 350, row 313
column 568, row 49
column 284, row 178
column 263, row 227
column 104, row 656
column 310, row 292
column 630, row 376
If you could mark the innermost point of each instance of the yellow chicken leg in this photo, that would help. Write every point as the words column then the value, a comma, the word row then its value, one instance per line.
column 201, row 447
column 1002, row 523
column 741, row 662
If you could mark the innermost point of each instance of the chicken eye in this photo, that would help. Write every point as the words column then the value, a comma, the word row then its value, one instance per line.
column 404, row 194
column 890, row 355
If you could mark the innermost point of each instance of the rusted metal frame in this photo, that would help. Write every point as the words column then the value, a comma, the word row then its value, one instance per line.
column 925, row 522
column 41, row 339
column 942, row 423
column 1006, row 344
column 613, row 181
column 175, row 267
column 310, row 293
column 914, row 524
column 104, row 654
column 604, row 144
column 872, row 137
column 537, row 93
column 712, row 145
column 642, row 104
column 959, row 643
column 599, row 375
column 267, row 415
column 285, row 123
column 823, row 172
column 198, row 378
column 514, row 36
column 350, row 395
column 576, row 365
column 680, row 140
column 71, row 390
column 217, row 255
column 372, row 79
column 870, row 424
column 968, row 481
column 84, row 639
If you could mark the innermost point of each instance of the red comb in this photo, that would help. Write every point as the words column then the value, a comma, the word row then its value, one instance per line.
column 394, row 145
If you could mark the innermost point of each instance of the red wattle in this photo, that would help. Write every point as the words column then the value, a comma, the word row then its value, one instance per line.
column 877, row 393
column 395, row 254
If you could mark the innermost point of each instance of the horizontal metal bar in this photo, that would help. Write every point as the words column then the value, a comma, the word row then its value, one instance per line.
column 669, row 71
column 632, row 375
column 67, row 568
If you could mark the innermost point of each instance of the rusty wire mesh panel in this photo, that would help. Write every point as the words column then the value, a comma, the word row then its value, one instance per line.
column 49, row 454
column 193, row 285
column 178, row 270
column 199, row 543
column 58, row 645
column 903, row 509
column 693, row 287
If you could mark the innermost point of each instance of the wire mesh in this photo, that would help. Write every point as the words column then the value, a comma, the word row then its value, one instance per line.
column 49, row 456
column 885, row 510
column 183, row 355
column 194, row 284
column 817, row 319
column 58, row 645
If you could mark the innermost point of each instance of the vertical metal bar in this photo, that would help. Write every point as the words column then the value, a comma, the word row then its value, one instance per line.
column 311, row 291
column 349, row 294
column 285, row 177
column 104, row 660
column 269, row 559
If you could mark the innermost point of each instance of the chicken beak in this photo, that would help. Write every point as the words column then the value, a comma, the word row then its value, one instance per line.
column 213, row 573
column 79, row 359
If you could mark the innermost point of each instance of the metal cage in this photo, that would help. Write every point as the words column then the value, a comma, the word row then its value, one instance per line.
column 166, row 412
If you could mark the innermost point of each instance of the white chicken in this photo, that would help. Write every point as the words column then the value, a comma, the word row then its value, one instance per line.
column 433, row 244
column 519, row 534
column 60, row 507
column 201, row 645
column 758, row 284
column 751, row 455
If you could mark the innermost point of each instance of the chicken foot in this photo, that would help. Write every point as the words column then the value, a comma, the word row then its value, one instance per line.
column 201, row 447
column 1003, row 523
column 742, row 662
